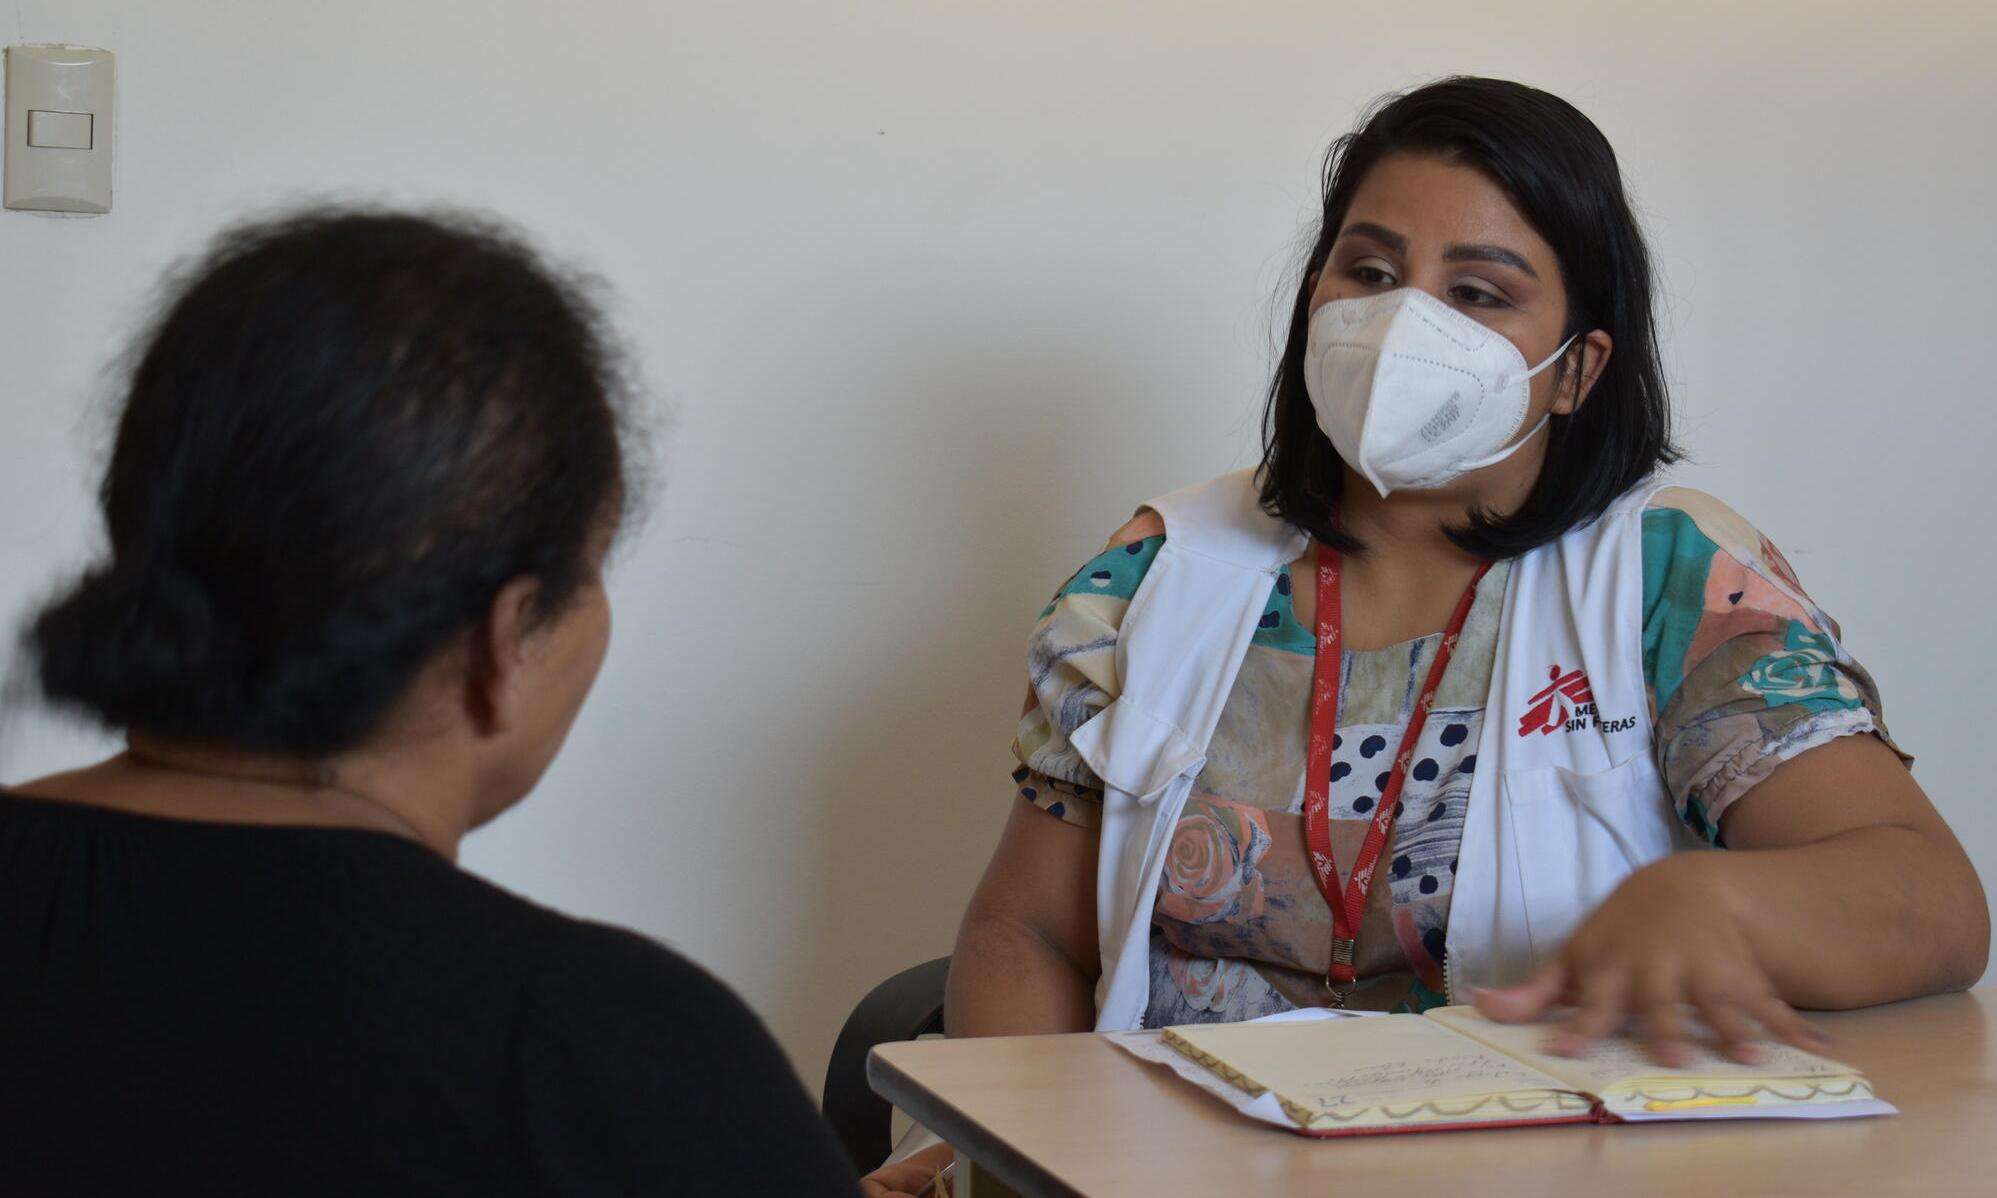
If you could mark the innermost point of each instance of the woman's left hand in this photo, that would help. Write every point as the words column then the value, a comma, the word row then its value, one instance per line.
column 1670, row 938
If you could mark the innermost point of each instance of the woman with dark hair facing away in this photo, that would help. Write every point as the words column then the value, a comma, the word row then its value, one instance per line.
column 1439, row 703
column 364, row 480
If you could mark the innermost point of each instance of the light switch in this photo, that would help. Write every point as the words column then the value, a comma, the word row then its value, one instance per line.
column 59, row 128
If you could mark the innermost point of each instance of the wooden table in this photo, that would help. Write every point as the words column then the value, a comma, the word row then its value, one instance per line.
column 1075, row 1115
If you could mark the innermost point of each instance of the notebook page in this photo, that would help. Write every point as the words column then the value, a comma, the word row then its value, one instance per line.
column 1619, row 1065
column 1388, row 1067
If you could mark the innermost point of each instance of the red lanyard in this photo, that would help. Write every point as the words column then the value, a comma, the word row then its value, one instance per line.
column 1348, row 907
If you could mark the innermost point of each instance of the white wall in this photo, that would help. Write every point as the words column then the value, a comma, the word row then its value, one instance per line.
column 940, row 291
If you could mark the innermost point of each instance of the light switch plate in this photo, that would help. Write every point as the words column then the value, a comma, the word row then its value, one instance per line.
column 59, row 128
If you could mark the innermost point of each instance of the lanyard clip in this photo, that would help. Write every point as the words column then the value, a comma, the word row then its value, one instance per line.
column 1339, row 978
column 1341, row 954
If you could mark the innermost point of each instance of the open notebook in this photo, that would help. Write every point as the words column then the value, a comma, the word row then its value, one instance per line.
column 1452, row 1068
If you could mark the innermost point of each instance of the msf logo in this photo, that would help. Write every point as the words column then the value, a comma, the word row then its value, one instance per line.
column 1566, row 696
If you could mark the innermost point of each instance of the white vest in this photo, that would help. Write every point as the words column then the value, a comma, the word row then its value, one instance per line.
column 1566, row 800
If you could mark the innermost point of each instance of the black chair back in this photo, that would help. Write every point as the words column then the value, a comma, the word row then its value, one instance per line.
column 907, row 1005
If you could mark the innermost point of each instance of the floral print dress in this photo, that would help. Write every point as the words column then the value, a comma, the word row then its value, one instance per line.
column 1741, row 677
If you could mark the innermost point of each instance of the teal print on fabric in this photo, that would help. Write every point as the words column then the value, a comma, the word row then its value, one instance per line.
column 1803, row 674
column 1676, row 559
column 1118, row 573
column 1420, row 998
column 1115, row 573
column 1278, row 629
column 1696, row 819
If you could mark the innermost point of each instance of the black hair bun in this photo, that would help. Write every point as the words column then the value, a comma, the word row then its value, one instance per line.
column 125, row 643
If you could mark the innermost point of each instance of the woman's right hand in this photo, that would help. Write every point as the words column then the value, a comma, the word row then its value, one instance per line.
column 906, row 1178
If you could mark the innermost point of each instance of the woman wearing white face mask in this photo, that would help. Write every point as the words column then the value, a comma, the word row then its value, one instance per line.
column 1442, row 701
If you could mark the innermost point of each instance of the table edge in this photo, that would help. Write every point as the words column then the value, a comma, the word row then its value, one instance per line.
column 962, row 1132
column 1011, row 1166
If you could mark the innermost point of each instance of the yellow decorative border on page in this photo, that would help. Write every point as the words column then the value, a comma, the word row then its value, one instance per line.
column 1687, row 1097
column 1441, row 1109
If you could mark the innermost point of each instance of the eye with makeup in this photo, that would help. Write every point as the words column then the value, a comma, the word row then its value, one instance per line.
column 1373, row 272
column 1472, row 293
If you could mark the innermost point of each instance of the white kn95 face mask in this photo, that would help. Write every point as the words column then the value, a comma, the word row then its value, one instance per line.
column 1414, row 393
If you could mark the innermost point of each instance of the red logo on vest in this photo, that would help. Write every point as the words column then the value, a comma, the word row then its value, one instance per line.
column 1553, row 707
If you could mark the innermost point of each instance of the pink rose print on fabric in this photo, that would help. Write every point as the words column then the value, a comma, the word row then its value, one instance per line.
column 1207, row 983
column 1211, row 870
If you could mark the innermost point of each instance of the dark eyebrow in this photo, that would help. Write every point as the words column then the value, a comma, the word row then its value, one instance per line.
column 1488, row 253
column 1380, row 233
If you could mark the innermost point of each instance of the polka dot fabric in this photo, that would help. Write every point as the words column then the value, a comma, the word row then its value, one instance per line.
column 1430, row 824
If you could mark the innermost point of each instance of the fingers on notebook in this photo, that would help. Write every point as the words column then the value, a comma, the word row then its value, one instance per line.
column 1666, row 1029
column 1745, row 1013
column 1784, row 1024
column 1526, row 1001
column 1599, row 1011
column 1670, row 1019
column 1738, row 1032
column 1663, row 1009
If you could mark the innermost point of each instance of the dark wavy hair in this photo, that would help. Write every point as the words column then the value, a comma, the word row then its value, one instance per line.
column 1560, row 171
column 345, row 432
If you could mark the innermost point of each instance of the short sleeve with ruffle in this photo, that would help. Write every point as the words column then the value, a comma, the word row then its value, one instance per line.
column 1071, row 675
column 1745, row 672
